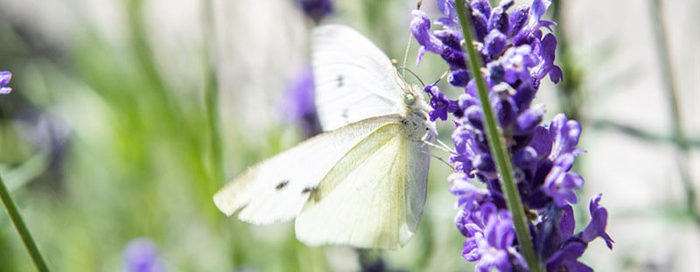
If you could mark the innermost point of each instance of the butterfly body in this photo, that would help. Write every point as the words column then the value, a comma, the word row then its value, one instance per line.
column 363, row 181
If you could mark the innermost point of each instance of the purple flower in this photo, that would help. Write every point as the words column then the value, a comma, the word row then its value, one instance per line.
column 516, row 56
column 470, row 196
column 573, row 246
column 299, row 95
column 298, row 102
column 564, row 136
column 560, row 185
column 420, row 27
column 440, row 104
column 141, row 255
column 516, row 62
column 316, row 9
column 599, row 220
column 547, row 67
column 491, row 241
column 495, row 43
column 567, row 259
column 5, row 77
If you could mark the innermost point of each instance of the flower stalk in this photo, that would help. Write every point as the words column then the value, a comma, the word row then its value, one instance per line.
column 497, row 146
column 683, row 145
column 21, row 228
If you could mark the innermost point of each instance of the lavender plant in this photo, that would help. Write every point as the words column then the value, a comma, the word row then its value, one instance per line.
column 517, row 56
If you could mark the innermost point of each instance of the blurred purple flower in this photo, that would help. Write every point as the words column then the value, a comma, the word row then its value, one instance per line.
column 298, row 102
column 5, row 77
column 141, row 255
column 316, row 9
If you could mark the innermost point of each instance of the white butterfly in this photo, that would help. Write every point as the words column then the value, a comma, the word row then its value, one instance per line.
column 363, row 182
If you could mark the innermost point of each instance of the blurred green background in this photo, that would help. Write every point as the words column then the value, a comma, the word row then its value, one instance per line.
column 128, row 115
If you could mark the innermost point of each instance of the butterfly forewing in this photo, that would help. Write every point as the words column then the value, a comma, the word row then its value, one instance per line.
column 354, row 80
column 373, row 197
column 276, row 189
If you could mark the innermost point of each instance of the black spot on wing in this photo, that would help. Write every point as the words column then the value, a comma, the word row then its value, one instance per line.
column 308, row 190
column 282, row 184
column 345, row 114
column 339, row 81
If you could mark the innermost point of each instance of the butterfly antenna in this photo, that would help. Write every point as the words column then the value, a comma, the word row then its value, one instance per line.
column 404, row 68
column 443, row 161
column 446, row 146
column 441, row 77
column 440, row 159
column 440, row 147
column 405, row 54
column 419, row 3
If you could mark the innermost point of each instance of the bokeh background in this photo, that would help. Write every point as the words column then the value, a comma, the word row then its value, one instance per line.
column 128, row 115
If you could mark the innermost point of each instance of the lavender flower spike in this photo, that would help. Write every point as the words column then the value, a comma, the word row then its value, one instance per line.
column 516, row 57
column 5, row 77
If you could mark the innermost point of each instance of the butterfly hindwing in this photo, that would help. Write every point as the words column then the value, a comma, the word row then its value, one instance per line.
column 373, row 197
column 276, row 189
column 354, row 79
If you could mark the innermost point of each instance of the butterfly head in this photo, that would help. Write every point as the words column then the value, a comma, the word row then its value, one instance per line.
column 417, row 120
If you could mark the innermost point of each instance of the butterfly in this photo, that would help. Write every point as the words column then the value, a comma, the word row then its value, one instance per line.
column 362, row 182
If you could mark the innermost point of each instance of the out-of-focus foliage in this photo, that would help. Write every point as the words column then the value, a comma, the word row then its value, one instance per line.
column 101, row 143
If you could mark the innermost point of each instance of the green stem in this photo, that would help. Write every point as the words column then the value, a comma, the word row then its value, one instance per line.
column 21, row 228
column 645, row 135
column 661, row 39
column 497, row 146
column 211, row 94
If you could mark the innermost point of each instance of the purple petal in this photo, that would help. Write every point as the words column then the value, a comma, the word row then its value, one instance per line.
column 420, row 27
column 470, row 251
column 547, row 50
column 482, row 6
column 480, row 23
column 567, row 223
column 541, row 142
column 459, row 78
column 560, row 185
column 566, row 259
column 495, row 43
column 5, row 77
column 529, row 119
column 498, row 20
column 539, row 7
column 599, row 220
column 299, row 96
column 518, row 18
column 565, row 134
column 421, row 53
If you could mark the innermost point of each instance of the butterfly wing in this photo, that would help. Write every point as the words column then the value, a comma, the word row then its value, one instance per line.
column 373, row 197
column 354, row 79
column 276, row 189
